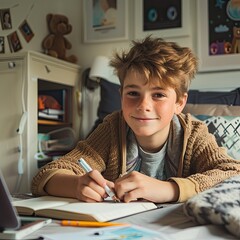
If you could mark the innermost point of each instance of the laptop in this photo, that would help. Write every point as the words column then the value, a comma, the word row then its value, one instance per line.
column 13, row 226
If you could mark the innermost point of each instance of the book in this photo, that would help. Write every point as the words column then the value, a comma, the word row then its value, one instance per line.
column 52, row 111
column 48, row 116
column 73, row 209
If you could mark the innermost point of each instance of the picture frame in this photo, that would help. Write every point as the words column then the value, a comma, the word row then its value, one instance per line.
column 6, row 19
column 26, row 31
column 97, row 28
column 14, row 42
column 207, row 61
column 2, row 44
column 169, row 31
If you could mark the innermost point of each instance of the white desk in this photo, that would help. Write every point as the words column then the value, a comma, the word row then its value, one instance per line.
column 169, row 220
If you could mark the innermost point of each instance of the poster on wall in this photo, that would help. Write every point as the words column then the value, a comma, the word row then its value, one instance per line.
column 224, row 27
column 166, row 19
column 219, row 34
column 105, row 21
column 166, row 15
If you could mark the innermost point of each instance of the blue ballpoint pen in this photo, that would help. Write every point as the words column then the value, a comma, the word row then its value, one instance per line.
column 87, row 168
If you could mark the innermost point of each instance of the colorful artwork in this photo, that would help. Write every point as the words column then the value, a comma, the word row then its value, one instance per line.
column 164, row 15
column 224, row 26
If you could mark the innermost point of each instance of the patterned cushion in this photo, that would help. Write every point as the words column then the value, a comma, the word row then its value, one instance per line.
column 226, row 130
column 219, row 205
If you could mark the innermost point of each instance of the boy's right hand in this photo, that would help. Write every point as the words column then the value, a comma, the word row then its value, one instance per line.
column 90, row 187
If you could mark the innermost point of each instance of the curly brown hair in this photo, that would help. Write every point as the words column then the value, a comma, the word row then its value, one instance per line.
column 172, row 65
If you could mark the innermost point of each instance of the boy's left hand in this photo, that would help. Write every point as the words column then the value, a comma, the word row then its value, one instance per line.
column 136, row 185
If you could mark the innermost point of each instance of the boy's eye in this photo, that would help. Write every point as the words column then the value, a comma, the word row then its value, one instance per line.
column 158, row 95
column 133, row 94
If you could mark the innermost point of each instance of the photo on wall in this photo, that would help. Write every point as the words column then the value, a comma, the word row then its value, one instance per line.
column 14, row 42
column 6, row 19
column 26, row 31
column 104, row 14
column 2, row 45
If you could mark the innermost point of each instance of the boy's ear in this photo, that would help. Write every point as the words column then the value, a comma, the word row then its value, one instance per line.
column 181, row 103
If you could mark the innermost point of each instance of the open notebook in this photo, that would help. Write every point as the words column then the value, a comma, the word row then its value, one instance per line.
column 11, row 225
column 73, row 209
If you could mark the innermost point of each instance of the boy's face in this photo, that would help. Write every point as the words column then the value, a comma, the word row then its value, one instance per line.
column 149, row 108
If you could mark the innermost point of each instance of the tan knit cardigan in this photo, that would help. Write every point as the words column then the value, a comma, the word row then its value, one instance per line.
column 202, row 165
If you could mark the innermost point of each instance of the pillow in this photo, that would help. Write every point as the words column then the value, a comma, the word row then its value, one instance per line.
column 212, row 109
column 215, row 97
column 218, row 205
column 226, row 130
column 110, row 99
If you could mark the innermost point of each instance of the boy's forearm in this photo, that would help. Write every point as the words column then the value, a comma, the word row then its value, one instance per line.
column 62, row 185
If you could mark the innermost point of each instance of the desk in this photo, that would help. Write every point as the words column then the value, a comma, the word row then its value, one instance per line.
column 169, row 220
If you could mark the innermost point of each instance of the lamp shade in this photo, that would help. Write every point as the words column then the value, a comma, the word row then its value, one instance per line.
column 101, row 69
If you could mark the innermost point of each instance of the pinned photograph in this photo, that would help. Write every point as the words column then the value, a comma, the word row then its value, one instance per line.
column 6, row 19
column 26, row 31
column 2, row 45
column 14, row 42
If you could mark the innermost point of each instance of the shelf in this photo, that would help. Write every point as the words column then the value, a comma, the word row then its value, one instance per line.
column 50, row 122
column 32, row 72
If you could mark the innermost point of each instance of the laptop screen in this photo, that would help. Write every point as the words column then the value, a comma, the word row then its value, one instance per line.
column 8, row 217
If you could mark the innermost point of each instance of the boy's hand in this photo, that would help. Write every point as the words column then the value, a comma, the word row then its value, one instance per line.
column 90, row 187
column 136, row 185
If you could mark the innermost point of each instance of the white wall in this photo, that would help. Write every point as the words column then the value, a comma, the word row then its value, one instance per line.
column 35, row 12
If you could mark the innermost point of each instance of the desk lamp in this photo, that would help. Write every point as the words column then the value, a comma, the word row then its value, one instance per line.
column 101, row 69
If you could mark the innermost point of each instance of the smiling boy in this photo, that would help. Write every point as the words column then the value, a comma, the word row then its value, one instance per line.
column 149, row 149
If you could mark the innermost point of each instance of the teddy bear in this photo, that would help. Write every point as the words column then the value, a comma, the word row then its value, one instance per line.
column 55, row 44
column 236, row 40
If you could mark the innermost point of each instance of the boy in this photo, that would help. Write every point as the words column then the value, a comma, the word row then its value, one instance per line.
column 150, row 149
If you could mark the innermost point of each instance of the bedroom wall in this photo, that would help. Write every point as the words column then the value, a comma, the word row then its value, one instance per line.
column 35, row 11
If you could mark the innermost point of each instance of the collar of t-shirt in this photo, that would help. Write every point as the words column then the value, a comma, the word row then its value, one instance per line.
column 160, row 165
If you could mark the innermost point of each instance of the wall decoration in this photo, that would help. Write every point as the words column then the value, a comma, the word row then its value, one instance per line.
column 163, row 19
column 218, row 35
column 105, row 20
column 14, row 42
column 2, row 45
column 8, row 25
column 6, row 20
column 26, row 31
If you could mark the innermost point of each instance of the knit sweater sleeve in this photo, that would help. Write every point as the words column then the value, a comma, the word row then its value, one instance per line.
column 97, row 150
column 204, row 163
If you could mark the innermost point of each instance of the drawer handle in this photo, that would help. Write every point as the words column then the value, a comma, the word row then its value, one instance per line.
column 47, row 69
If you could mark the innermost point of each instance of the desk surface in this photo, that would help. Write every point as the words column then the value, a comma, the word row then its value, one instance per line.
column 169, row 220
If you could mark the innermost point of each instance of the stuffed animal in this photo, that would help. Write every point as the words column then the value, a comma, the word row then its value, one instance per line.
column 236, row 40
column 55, row 44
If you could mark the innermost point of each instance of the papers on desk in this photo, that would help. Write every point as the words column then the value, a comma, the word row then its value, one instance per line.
column 109, row 233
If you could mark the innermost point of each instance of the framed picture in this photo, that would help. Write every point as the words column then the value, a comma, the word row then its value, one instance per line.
column 14, row 42
column 26, row 31
column 6, row 19
column 164, row 19
column 218, row 44
column 105, row 20
column 2, row 45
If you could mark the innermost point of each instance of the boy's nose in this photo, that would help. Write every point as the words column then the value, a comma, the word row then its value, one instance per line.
column 144, row 104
